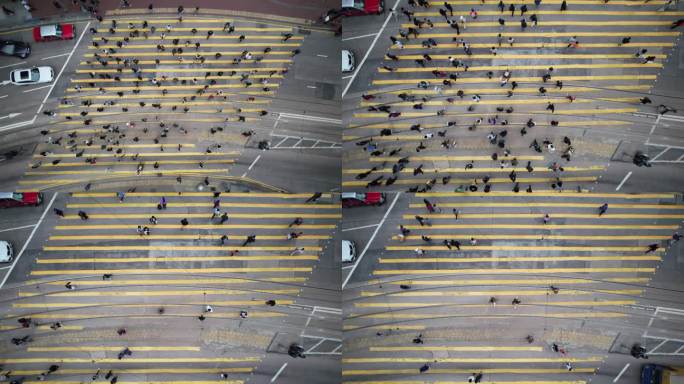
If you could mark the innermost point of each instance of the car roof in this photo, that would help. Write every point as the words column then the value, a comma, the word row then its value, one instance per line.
column 48, row 30
column 347, row 3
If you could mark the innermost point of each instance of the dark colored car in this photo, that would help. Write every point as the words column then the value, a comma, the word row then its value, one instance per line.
column 354, row 199
column 15, row 48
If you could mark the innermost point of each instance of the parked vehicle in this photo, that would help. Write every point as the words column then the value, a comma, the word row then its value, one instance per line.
column 35, row 75
column 20, row 199
column 348, row 61
column 6, row 251
column 348, row 251
column 15, row 48
column 356, row 199
column 53, row 32
column 362, row 7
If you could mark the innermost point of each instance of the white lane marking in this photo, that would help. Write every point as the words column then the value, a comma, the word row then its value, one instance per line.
column 624, row 180
column 359, row 37
column 621, row 373
column 35, row 89
column 15, row 228
column 28, row 240
column 365, row 57
column 278, row 373
column 63, row 67
column 254, row 162
column 3, row 96
column 355, row 228
column 324, row 56
column 10, row 116
column 251, row 165
column 311, row 86
column 17, row 125
column 55, row 56
column 13, row 65
column 348, row 266
column 346, row 77
column 310, row 118
column 370, row 241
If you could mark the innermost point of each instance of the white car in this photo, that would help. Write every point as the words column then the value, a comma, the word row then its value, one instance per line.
column 6, row 252
column 348, row 251
column 35, row 75
column 348, row 61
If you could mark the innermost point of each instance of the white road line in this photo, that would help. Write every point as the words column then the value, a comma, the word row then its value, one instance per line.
column 346, row 77
column 311, row 86
column 621, row 373
column 28, row 241
column 17, row 125
column 624, row 180
column 359, row 37
column 320, row 119
column 35, row 89
column 324, row 56
column 254, row 162
column 52, row 57
column 278, row 373
column 370, row 241
column 15, row 228
column 355, row 228
column 365, row 57
column 251, row 166
column 13, row 65
column 348, row 266
column 3, row 96
column 62, row 70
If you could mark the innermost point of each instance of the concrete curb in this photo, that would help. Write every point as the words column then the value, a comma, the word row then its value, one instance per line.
column 299, row 22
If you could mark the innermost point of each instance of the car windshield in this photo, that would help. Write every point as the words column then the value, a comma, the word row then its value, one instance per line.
column 8, row 49
column 35, row 74
column 358, row 4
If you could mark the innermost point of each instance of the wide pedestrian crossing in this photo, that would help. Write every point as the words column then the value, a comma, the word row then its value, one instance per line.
column 467, row 285
column 189, row 299
column 476, row 82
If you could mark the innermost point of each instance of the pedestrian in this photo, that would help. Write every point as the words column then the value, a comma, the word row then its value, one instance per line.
column 676, row 237
column 602, row 209
column 677, row 23
column 107, row 276
column 428, row 205
column 424, row 368
column 473, row 241
column 184, row 222
column 515, row 302
column 296, row 221
column 224, row 217
column 547, row 218
column 314, row 198
column 625, row 40
column 551, row 107
column 58, row 212
column 652, row 248
column 217, row 212
column 534, row 19
column 512, row 9
column 153, row 220
column 537, row 3
column 121, row 331
column 121, row 196
column 162, row 203
column 83, row 215
column 523, row 9
column 69, row 286
column 568, row 366
column 564, row 6
column 492, row 301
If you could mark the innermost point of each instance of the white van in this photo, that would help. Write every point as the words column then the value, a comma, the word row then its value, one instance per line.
column 348, row 61
column 6, row 251
column 348, row 251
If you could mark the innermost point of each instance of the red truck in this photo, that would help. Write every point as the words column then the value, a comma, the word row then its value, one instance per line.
column 20, row 199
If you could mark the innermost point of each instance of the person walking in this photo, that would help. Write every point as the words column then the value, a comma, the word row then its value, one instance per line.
column 602, row 209
column 564, row 6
